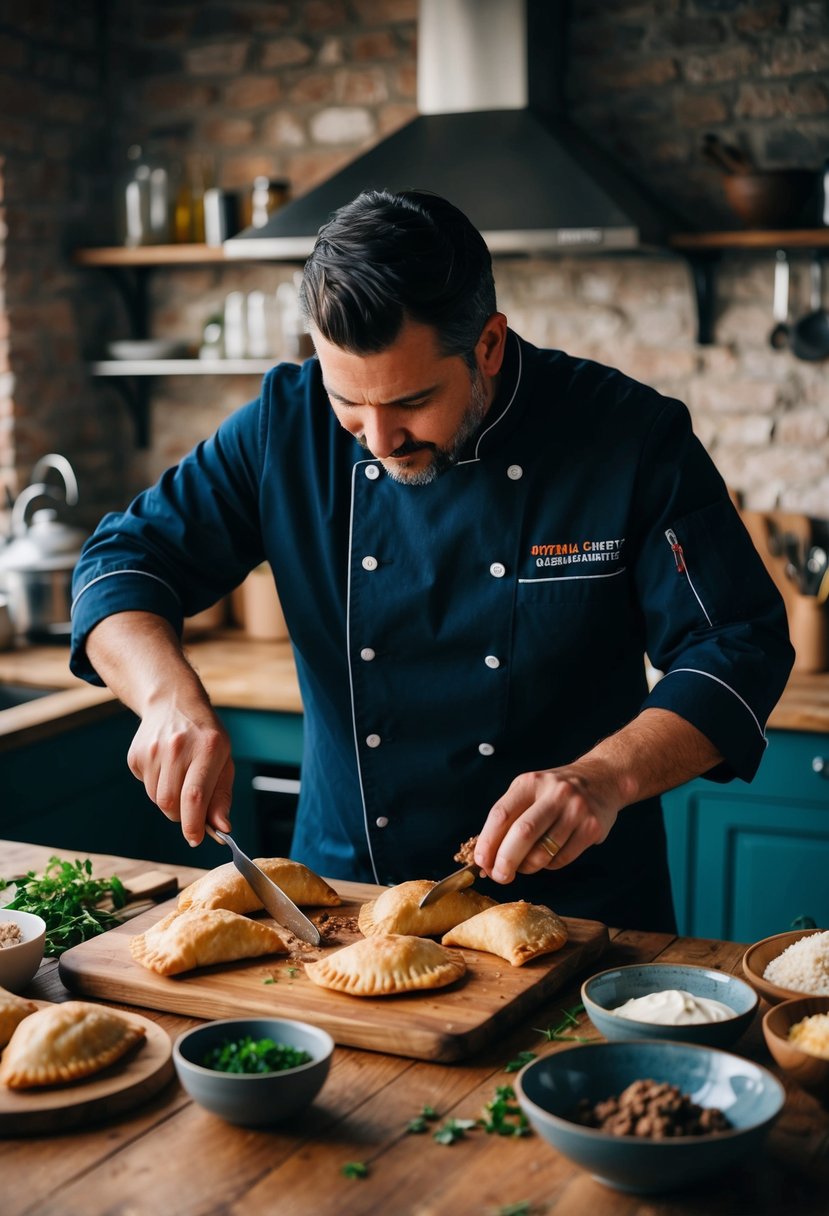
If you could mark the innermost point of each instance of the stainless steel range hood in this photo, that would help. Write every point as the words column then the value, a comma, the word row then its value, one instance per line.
column 491, row 136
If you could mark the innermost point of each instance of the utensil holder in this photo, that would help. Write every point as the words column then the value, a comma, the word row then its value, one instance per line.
column 809, row 631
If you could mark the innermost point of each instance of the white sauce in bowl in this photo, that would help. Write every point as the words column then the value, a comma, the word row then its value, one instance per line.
column 674, row 1007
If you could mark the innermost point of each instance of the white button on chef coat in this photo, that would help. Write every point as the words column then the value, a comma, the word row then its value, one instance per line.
column 497, row 569
column 492, row 661
column 515, row 472
column 372, row 472
column 370, row 563
column 373, row 740
column 486, row 749
column 367, row 654
column 382, row 821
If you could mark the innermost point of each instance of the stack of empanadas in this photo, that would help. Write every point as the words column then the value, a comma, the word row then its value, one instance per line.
column 397, row 911
column 387, row 964
column 66, row 1042
column 225, row 887
column 201, row 937
column 516, row 932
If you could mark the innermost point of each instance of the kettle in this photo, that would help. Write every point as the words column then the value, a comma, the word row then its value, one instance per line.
column 37, row 562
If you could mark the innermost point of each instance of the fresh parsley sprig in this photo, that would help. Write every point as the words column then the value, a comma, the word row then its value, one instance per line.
column 503, row 1115
column 67, row 898
column 560, row 1033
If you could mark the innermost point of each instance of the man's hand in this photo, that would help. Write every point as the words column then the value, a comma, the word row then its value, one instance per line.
column 575, row 805
column 180, row 751
column 184, row 761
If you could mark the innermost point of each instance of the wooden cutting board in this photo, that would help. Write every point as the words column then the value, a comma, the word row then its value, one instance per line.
column 125, row 1084
column 444, row 1025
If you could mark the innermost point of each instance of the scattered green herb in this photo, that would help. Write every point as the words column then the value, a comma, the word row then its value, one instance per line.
column 270, row 980
column 292, row 971
column 250, row 1055
column 355, row 1169
column 452, row 1130
column 520, row 1060
column 66, row 897
column 420, row 1122
column 515, row 1209
column 503, row 1115
column 559, row 1033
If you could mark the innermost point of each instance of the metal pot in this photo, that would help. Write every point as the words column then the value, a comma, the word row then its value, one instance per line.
column 37, row 563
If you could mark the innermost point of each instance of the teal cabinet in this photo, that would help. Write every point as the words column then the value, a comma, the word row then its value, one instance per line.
column 747, row 860
column 74, row 790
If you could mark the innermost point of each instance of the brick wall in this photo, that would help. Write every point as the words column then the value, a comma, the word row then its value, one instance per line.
column 295, row 89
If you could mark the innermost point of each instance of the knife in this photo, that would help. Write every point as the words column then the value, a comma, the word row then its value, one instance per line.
column 464, row 877
column 276, row 902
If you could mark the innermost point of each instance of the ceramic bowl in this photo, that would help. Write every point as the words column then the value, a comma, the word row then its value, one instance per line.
column 758, row 957
column 812, row 1072
column 257, row 1099
column 549, row 1090
column 608, row 989
column 19, row 964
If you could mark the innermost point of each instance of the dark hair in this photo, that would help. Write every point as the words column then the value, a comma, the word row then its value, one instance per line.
column 384, row 258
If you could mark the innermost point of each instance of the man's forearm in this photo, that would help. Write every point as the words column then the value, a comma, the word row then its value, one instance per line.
column 139, row 657
column 655, row 752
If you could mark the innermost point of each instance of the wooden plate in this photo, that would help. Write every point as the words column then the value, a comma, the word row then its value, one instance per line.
column 758, row 957
column 134, row 1079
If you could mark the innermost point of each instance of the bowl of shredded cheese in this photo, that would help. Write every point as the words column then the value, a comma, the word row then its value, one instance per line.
column 789, row 965
column 22, row 939
column 797, row 1035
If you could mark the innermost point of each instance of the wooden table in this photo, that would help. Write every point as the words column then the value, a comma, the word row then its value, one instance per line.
column 171, row 1157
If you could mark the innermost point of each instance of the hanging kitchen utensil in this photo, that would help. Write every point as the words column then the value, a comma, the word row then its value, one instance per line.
column 725, row 156
column 810, row 335
column 816, row 563
column 779, row 336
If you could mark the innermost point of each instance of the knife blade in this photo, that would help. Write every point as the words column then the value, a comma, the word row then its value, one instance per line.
column 276, row 902
column 456, row 881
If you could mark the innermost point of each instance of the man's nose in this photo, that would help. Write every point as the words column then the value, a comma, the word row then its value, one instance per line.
column 382, row 433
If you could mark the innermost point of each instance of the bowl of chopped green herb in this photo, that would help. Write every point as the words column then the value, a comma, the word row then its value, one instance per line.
column 253, row 1071
column 22, row 937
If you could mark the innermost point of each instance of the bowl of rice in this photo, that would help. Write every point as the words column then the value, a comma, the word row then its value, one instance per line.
column 789, row 965
column 797, row 1035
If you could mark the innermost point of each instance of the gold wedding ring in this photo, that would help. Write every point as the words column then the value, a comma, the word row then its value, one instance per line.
column 549, row 845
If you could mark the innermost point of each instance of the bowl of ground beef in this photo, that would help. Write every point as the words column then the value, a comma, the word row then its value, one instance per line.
column 22, row 939
column 649, row 1116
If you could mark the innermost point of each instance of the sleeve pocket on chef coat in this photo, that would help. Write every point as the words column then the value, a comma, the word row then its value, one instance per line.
column 722, row 568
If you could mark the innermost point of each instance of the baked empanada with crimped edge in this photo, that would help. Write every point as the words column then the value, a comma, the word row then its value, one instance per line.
column 387, row 964
column 396, row 910
column 13, row 1009
column 66, row 1042
column 201, row 937
column 516, row 932
column 225, row 887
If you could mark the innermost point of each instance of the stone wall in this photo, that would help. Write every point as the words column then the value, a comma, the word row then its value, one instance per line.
column 295, row 89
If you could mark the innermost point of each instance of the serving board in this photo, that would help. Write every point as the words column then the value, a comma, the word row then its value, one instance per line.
column 133, row 1079
column 445, row 1024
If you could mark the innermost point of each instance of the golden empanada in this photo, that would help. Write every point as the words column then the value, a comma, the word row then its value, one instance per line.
column 516, row 932
column 386, row 964
column 66, row 1042
column 201, row 937
column 13, row 1009
column 396, row 910
column 225, row 887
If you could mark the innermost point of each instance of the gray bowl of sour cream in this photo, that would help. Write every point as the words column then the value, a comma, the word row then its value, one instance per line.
column 669, row 1001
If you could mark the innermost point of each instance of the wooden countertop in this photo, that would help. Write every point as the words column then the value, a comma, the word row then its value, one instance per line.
column 171, row 1156
column 241, row 673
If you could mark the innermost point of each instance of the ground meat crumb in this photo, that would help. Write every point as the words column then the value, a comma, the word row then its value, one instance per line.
column 10, row 934
column 466, row 853
column 651, row 1109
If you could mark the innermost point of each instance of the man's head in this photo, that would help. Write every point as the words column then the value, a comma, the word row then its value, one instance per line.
column 400, row 301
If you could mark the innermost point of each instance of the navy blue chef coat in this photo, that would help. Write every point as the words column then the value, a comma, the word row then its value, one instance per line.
column 451, row 636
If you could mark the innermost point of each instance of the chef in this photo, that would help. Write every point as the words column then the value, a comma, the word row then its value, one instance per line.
column 476, row 545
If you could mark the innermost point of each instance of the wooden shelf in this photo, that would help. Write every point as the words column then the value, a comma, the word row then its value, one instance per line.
column 182, row 367
column 151, row 255
column 784, row 238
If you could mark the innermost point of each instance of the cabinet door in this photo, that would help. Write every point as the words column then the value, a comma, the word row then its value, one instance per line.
column 747, row 860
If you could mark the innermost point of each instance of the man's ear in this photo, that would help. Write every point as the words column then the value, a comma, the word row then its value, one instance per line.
column 491, row 344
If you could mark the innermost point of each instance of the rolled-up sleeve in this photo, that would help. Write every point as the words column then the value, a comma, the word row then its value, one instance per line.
column 715, row 622
column 179, row 546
